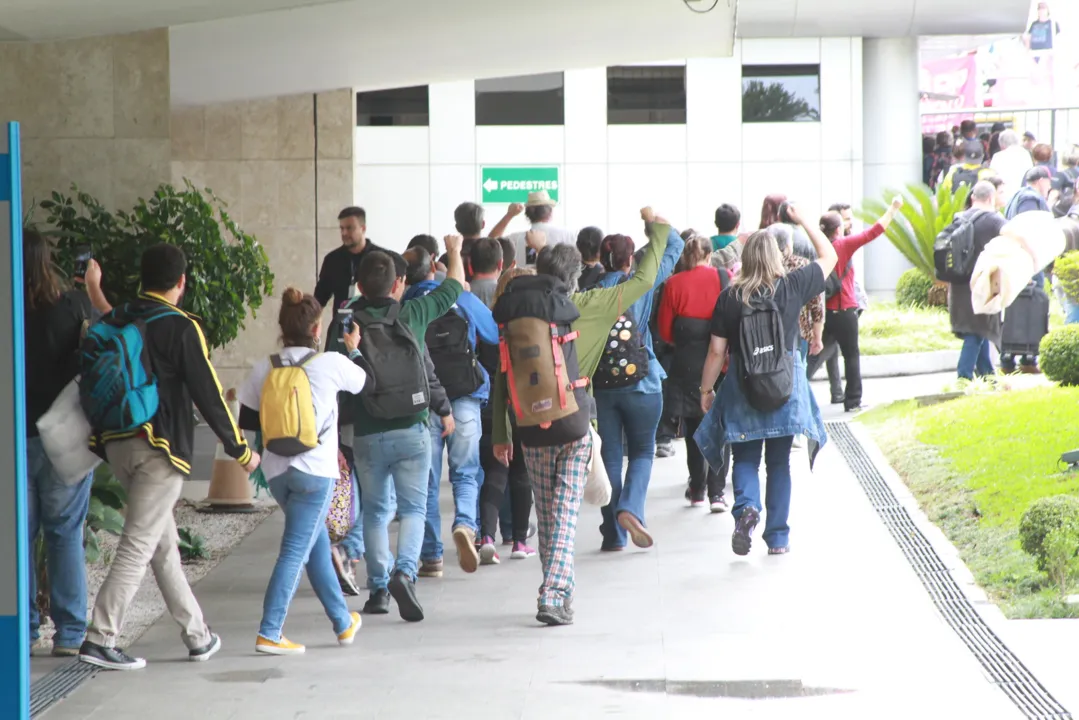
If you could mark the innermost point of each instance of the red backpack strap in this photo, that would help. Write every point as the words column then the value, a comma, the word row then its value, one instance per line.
column 559, row 365
column 506, row 366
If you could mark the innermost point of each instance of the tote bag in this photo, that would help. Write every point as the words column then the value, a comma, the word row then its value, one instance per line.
column 65, row 436
column 597, row 487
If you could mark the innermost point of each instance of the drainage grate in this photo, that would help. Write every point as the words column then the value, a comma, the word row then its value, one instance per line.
column 1001, row 665
column 57, row 685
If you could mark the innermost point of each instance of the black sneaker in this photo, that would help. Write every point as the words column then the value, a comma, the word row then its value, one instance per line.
column 206, row 652
column 108, row 658
column 717, row 504
column 554, row 615
column 743, row 531
column 404, row 592
column 695, row 497
column 378, row 603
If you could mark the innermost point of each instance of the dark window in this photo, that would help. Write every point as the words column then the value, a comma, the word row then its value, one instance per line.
column 400, row 106
column 646, row 95
column 522, row 100
column 780, row 93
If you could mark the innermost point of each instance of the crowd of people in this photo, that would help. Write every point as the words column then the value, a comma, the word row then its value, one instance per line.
column 515, row 357
column 1007, row 175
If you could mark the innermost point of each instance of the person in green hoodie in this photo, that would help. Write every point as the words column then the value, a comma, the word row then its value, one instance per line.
column 558, row 471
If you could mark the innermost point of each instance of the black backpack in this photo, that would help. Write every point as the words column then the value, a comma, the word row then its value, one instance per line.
column 399, row 386
column 965, row 176
column 453, row 355
column 624, row 360
column 767, row 368
column 833, row 284
column 954, row 253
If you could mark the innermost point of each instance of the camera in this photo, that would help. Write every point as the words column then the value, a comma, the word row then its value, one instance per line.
column 344, row 316
column 83, row 256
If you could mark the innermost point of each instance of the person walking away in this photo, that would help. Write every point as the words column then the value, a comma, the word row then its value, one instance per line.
column 151, row 457
column 942, row 159
column 1032, row 197
column 728, row 221
column 758, row 316
column 841, row 306
column 588, row 243
column 56, row 318
column 497, row 478
column 628, row 387
column 976, row 331
column 970, row 169
column 339, row 268
column 685, row 315
column 557, row 445
column 291, row 398
column 1011, row 163
column 487, row 264
column 451, row 341
column 539, row 209
column 390, row 421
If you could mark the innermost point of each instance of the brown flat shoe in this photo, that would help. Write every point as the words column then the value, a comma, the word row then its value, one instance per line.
column 637, row 532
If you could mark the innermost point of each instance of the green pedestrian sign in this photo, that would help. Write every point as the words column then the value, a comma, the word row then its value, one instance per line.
column 512, row 185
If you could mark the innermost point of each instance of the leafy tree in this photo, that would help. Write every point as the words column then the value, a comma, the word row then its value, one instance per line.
column 227, row 270
column 771, row 102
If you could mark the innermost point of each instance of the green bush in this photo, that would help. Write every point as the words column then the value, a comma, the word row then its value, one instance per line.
column 1066, row 269
column 192, row 545
column 1059, row 355
column 913, row 288
column 1046, row 516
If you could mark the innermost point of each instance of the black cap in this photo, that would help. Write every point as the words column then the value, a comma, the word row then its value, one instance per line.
column 1036, row 173
column 973, row 151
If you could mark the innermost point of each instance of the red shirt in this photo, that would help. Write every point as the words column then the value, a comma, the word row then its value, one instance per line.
column 845, row 247
column 691, row 294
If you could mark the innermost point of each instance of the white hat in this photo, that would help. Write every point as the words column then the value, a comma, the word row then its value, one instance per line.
column 539, row 199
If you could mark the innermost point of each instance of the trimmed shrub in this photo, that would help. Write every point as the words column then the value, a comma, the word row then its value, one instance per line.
column 913, row 288
column 1059, row 355
column 1054, row 516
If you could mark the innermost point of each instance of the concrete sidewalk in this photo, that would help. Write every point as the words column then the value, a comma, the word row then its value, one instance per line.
column 684, row 630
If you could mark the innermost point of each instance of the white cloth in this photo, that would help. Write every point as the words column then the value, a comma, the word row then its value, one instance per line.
column 1011, row 164
column 329, row 374
column 555, row 236
column 597, row 487
column 1026, row 245
column 65, row 436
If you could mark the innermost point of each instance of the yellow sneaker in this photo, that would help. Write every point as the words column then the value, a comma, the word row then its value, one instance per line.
column 282, row 647
column 349, row 635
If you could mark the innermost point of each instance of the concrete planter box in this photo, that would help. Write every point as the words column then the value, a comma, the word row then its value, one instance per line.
column 920, row 363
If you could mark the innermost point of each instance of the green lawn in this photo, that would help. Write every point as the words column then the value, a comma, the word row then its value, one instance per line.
column 975, row 464
column 887, row 329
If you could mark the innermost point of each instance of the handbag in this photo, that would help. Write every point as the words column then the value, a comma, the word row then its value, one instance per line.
column 342, row 515
column 65, row 436
column 597, row 486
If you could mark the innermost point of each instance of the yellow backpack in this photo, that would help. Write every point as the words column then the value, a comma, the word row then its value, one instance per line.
column 287, row 408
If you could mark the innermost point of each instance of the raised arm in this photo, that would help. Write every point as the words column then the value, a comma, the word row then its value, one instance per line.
column 643, row 280
column 826, row 255
column 499, row 230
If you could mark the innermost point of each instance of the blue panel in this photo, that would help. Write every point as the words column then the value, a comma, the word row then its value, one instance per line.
column 15, row 656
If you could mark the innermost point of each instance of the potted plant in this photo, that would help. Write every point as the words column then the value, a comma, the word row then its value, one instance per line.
column 916, row 226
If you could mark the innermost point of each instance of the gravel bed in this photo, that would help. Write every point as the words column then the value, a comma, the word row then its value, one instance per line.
column 221, row 533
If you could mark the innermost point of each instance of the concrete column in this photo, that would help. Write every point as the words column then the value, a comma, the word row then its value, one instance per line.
column 892, row 140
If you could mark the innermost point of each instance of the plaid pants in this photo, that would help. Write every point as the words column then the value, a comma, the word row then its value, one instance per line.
column 558, row 477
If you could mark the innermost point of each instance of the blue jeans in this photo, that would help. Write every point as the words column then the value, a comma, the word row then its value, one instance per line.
column 396, row 462
column 1071, row 312
column 638, row 415
column 465, row 475
column 305, row 500
column 58, row 511
column 974, row 358
column 747, row 484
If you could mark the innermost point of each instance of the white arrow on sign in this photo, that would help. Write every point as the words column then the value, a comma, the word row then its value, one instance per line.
column 491, row 185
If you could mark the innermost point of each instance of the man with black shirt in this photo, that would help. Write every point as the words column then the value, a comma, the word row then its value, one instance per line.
column 336, row 279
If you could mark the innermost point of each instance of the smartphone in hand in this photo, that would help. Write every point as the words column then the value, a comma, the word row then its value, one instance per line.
column 344, row 316
column 83, row 256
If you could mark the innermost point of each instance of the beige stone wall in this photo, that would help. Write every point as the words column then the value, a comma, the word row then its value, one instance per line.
column 94, row 112
column 285, row 177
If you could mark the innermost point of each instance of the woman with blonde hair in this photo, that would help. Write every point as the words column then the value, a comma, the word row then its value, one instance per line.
column 498, row 477
column 764, row 287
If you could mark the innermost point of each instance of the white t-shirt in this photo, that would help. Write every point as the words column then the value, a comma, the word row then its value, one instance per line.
column 329, row 374
column 1012, row 164
column 555, row 236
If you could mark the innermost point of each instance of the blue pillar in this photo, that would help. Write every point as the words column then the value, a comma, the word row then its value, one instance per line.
column 14, row 544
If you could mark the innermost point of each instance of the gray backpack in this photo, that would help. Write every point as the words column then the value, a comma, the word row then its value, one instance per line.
column 398, row 387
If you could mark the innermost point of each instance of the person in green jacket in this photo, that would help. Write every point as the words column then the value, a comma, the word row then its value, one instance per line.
column 559, row 472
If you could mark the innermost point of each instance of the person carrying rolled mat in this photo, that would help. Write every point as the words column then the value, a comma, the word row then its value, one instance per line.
column 765, row 400
column 291, row 398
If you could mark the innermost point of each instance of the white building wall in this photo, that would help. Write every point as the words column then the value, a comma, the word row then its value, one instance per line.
column 410, row 179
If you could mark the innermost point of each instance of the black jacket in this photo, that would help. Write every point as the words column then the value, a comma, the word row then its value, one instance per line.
column 180, row 360
column 53, row 336
column 338, row 274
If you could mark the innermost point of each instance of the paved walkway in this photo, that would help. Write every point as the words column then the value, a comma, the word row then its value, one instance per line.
column 684, row 630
